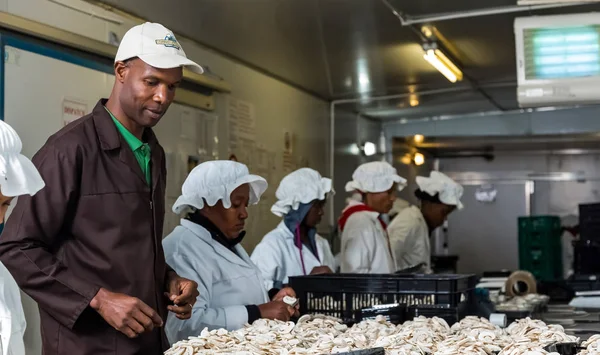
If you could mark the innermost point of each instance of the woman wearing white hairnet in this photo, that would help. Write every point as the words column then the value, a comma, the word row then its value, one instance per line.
column 205, row 248
column 294, row 247
column 18, row 176
column 410, row 230
column 365, row 243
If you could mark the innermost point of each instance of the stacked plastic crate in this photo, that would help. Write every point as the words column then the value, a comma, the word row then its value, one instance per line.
column 540, row 248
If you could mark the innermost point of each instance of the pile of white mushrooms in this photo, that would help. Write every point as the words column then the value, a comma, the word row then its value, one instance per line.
column 318, row 334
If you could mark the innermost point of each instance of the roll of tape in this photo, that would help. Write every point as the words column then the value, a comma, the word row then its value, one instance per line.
column 498, row 319
column 520, row 283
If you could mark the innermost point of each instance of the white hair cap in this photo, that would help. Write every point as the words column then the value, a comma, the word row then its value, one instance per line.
column 377, row 176
column 18, row 175
column 215, row 180
column 449, row 190
column 301, row 186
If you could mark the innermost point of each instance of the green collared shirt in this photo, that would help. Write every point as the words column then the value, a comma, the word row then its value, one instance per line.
column 141, row 150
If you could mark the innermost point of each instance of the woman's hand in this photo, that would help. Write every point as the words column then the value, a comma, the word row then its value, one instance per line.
column 276, row 310
column 319, row 270
column 288, row 291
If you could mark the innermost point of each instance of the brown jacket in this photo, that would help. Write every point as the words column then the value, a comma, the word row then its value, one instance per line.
column 96, row 224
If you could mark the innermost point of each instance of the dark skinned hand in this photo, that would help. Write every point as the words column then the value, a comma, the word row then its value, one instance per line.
column 183, row 293
column 127, row 314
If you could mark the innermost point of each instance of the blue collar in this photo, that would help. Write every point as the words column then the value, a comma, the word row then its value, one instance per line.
column 294, row 219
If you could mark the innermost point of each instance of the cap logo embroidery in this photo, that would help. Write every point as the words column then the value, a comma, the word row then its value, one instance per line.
column 169, row 41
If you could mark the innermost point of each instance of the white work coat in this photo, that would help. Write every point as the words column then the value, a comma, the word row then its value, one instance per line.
column 365, row 247
column 409, row 236
column 227, row 282
column 278, row 258
column 12, row 318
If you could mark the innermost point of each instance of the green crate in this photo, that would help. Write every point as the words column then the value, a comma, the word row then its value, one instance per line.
column 540, row 247
column 539, row 225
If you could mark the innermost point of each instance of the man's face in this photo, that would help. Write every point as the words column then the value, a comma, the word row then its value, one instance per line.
column 147, row 92
column 4, row 205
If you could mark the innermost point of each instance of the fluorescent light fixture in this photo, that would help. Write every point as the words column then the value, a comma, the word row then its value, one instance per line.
column 413, row 100
column 443, row 64
column 550, row 2
column 427, row 31
column 419, row 159
column 369, row 149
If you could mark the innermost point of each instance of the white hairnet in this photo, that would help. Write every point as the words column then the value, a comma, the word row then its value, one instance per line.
column 18, row 175
column 301, row 186
column 375, row 177
column 449, row 190
column 215, row 180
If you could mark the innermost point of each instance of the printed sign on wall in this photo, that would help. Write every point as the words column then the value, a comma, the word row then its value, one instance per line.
column 73, row 109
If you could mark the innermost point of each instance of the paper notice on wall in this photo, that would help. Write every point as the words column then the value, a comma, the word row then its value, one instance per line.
column 289, row 161
column 73, row 109
column 242, row 122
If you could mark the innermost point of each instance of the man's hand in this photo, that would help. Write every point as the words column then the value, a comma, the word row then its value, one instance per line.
column 319, row 270
column 287, row 291
column 276, row 310
column 183, row 293
column 127, row 314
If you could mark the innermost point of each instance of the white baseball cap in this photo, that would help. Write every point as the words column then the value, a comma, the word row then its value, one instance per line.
column 157, row 46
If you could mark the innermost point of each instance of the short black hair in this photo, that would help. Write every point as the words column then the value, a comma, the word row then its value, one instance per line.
column 424, row 196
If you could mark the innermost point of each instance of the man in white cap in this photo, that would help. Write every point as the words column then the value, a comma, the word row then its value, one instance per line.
column 365, row 243
column 18, row 177
column 87, row 248
column 409, row 231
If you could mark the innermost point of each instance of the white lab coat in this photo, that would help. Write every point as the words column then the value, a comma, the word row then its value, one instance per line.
column 12, row 318
column 226, row 282
column 365, row 247
column 278, row 258
column 409, row 236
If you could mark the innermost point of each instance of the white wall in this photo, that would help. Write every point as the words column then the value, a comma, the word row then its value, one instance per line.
column 560, row 198
column 279, row 108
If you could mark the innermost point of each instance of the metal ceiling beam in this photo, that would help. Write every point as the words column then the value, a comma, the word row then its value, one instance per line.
column 407, row 20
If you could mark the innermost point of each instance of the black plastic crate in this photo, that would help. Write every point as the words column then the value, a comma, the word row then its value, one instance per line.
column 563, row 348
column 451, row 314
column 341, row 295
column 589, row 221
column 393, row 313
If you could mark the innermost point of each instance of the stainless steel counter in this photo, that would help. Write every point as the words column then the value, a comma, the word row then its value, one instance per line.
column 580, row 323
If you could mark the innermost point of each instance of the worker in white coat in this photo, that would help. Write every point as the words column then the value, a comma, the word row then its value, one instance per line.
column 206, row 248
column 294, row 247
column 365, row 243
column 410, row 230
column 18, row 176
